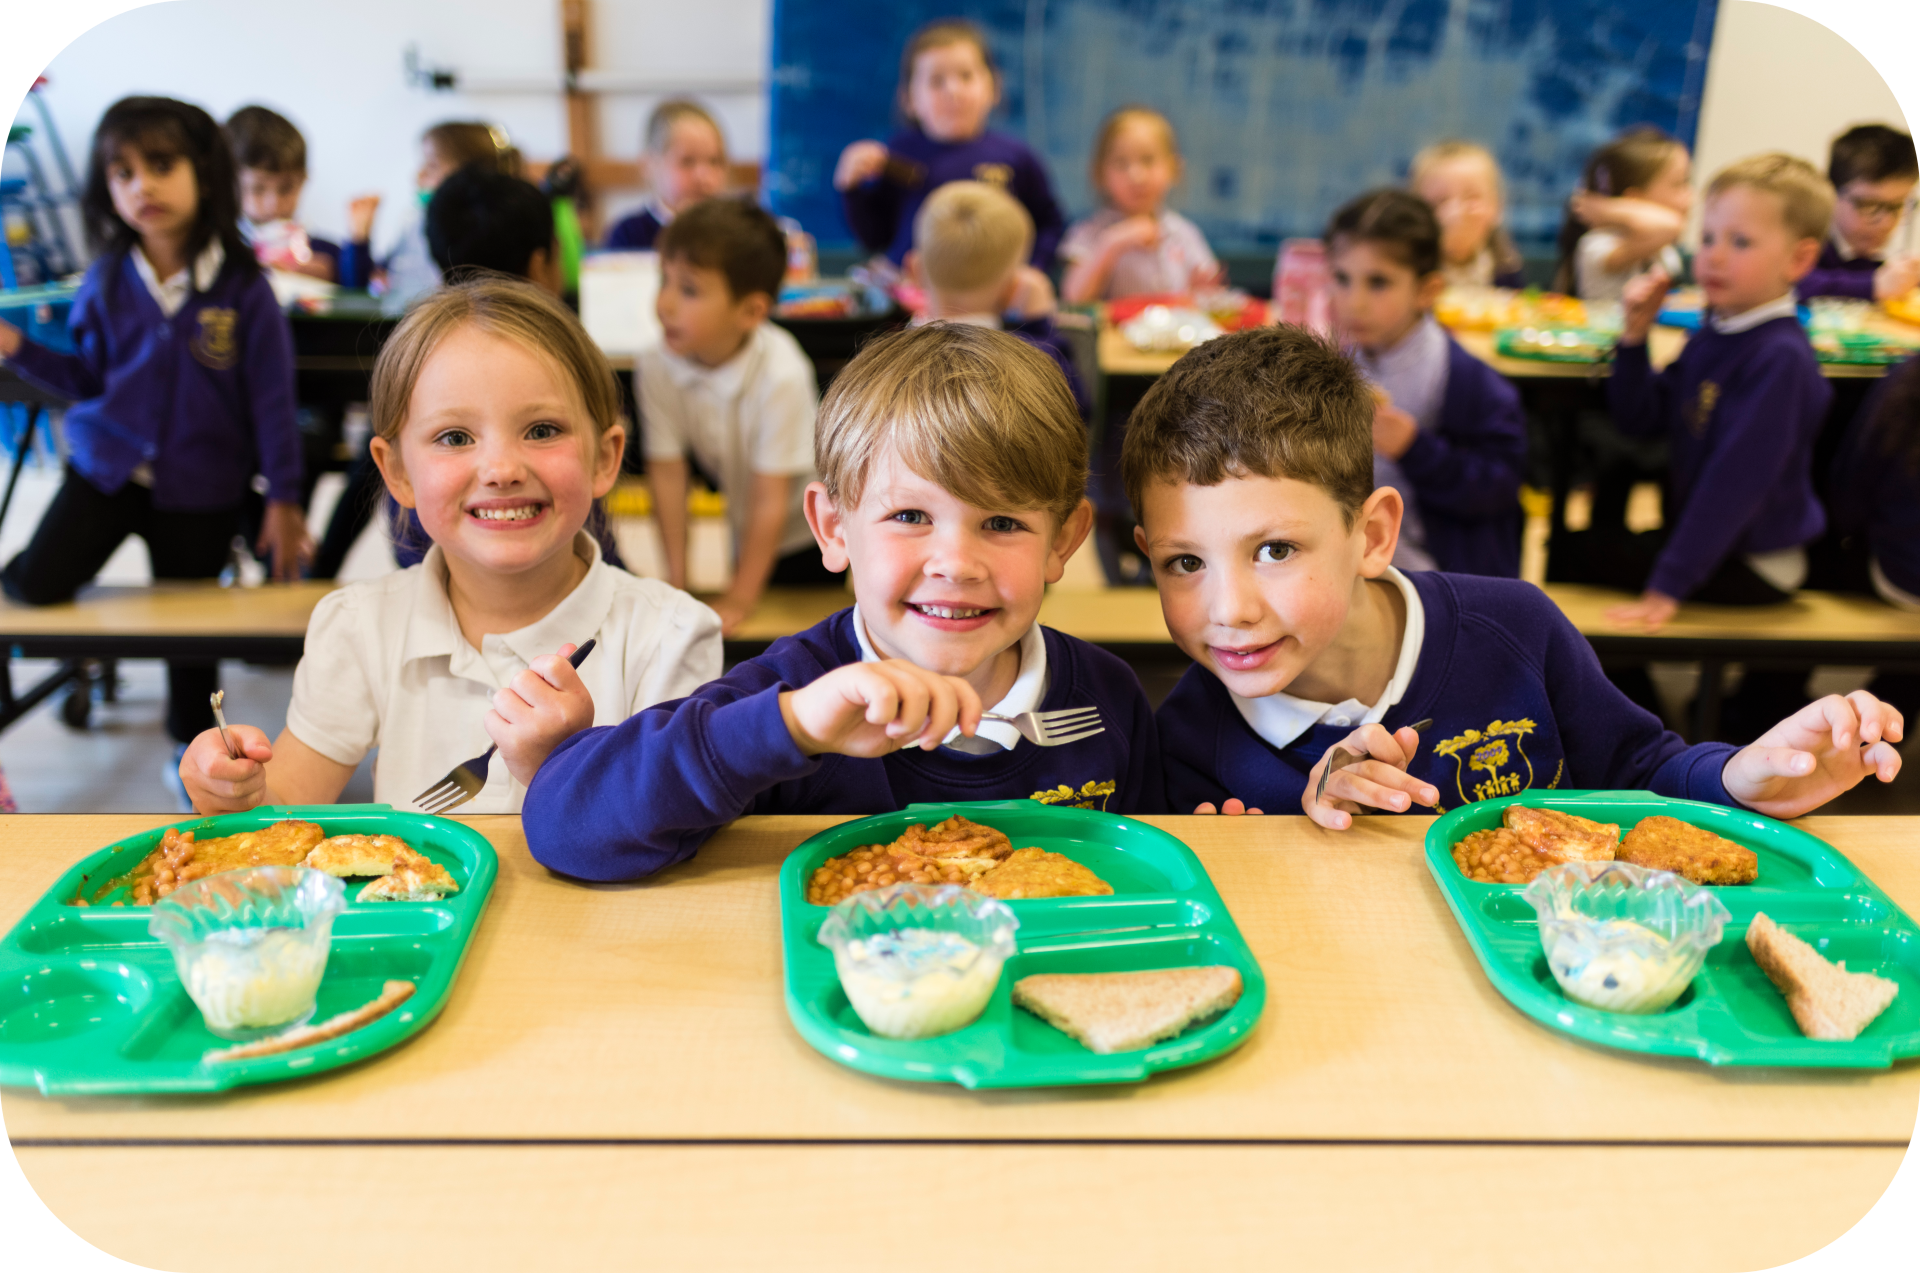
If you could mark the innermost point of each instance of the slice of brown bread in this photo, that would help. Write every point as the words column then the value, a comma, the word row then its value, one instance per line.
column 1122, row 1011
column 1826, row 1000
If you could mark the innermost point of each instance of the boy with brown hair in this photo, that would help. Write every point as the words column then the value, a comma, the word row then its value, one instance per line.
column 271, row 157
column 970, row 244
column 1250, row 467
column 953, row 479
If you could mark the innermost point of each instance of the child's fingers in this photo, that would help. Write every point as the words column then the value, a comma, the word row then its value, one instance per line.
column 1878, row 719
column 1763, row 763
column 1379, row 786
column 555, row 670
column 970, row 707
column 1883, row 760
column 943, row 712
column 1204, row 807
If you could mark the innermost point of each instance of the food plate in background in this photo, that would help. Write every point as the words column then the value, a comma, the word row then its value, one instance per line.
column 1164, row 913
column 1555, row 344
column 90, row 1002
column 1731, row 1014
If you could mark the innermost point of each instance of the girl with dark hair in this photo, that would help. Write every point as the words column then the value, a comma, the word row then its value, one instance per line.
column 181, row 380
column 1632, row 204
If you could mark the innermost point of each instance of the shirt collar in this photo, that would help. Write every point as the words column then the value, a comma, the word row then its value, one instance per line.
column 1843, row 249
column 434, row 632
column 1413, row 349
column 725, row 381
column 1281, row 718
column 1786, row 306
column 171, row 293
column 1029, row 690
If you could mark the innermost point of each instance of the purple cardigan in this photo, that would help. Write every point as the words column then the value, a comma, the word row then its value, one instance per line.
column 880, row 212
column 1833, row 276
column 204, row 397
column 1466, row 472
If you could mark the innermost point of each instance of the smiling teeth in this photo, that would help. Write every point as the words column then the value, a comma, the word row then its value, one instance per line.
column 520, row 514
column 948, row 612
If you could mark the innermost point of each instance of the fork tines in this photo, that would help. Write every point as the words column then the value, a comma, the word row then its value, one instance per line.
column 455, row 789
column 1067, row 725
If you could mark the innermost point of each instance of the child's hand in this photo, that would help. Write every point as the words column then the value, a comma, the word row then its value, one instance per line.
column 1382, row 781
column 1033, row 294
column 543, row 707
column 859, row 163
column 1815, row 754
column 1233, row 808
column 1137, row 231
column 731, row 611
column 10, row 339
column 1205, row 277
column 283, row 535
column 873, row 709
column 215, row 781
column 1890, row 282
column 1642, row 298
column 1652, row 612
column 1394, row 430
column 360, row 217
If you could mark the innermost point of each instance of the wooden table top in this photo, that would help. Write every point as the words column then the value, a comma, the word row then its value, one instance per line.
column 172, row 609
column 654, row 1011
column 1104, row 616
column 1810, row 616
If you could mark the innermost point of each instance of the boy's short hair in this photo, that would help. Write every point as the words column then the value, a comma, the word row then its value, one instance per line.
column 1271, row 402
column 738, row 238
column 1871, row 152
column 487, row 220
column 266, row 141
column 980, row 413
column 670, row 112
column 1806, row 198
column 971, row 235
column 1399, row 221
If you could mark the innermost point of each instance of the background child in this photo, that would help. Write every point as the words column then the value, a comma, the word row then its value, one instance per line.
column 1447, row 430
column 1249, row 465
column 480, row 219
column 1462, row 181
column 182, row 380
column 1631, row 207
column 685, row 160
column 497, row 418
column 272, row 157
column 1741, row 405
column 1873, row 171
column 969, row 242
column 1135, row 245
column 953, row 472
column 736, row 393
column 948, row 87
column 409, row 271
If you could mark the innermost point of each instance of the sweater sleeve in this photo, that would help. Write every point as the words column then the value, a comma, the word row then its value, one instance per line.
column 626, row 801
column 1752, row 444
column 1035, row 190
column 81, row 374
column 872, row 210
column 356, row 263
column 1189, row 731
column 1471, row 465
column 1637, row 395
column 1857, row 284
column 269, row 376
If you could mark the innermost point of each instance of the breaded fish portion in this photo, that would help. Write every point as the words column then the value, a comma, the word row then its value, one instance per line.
column 957, row 837
column 1668, row 844
column 415, row 878
column 1563, row 837
column 1038, row 873
column 350, row 855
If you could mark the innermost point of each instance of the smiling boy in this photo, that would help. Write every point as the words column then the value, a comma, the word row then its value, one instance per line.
column 953, row 476
column 1250, row 466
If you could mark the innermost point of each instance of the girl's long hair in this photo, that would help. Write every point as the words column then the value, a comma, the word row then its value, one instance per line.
column 1634, row 158
column 161, row 129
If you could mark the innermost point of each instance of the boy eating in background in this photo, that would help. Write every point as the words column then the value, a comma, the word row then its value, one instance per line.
column 736, row 392
column 479, row 219
column 1873, row 171
column 953, row 472
column 970, row 242
column 271, row 156
column 1250, row 467
column 1741, row 407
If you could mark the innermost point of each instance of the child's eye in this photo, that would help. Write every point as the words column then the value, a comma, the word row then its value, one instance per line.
column 911, row 517
column 453, row 437
column 1184, row 564
column 1273, row 552
column 1005, row 525
column 542, row 430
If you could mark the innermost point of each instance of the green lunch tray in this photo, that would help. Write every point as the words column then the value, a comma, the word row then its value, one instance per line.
column 1866, row 349
column 1164, row 913
column 90, row 1002
column 1592, row 347
column 1731, row 1014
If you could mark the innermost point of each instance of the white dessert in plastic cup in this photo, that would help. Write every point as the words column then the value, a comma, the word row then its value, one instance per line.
column 245, row 979
column 916, row 983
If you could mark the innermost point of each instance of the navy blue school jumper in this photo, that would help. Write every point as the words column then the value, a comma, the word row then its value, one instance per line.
column 880, row 211
column 1466, row 472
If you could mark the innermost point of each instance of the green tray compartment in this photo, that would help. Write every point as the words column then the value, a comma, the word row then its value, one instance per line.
column 1164, row 913
column 1731, row 1014
column 90, row 1002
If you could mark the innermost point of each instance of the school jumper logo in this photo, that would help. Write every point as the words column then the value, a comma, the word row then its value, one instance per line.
column 994, row 174
column 1499, row 752
column 1091, row 795
column 1700, row 414
column 213, row 345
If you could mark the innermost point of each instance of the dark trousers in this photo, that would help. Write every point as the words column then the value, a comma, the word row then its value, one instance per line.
column 81, row 530
column 1624, row 560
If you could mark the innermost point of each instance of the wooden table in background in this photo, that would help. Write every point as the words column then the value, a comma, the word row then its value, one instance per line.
column 1124, row 620
column 614, row 1076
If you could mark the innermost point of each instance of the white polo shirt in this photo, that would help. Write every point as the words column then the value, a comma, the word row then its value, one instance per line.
column 751, row 414
column 386, row 666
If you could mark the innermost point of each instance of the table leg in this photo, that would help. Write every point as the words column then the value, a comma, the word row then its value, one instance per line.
column 19, row 460
column 13, row 708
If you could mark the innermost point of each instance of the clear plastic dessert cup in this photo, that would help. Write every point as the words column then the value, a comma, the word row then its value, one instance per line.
column 918, row 960
column 251, row 945
column 1623, row 938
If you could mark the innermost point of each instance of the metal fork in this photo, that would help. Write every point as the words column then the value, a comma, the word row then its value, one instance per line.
column 1054, row 729
column 464, row 781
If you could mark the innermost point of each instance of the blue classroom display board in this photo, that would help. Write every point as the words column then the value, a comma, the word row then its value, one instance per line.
column 1285, row 108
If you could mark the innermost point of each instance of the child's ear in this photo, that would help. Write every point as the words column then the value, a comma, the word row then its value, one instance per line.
column 1430, row 288
column 1067, row 540
column 828, row 525
column 910, row 265
column 610, row 450
column 1379, row 525
column 386, row 457
column 1801, row 258
column 753, row 308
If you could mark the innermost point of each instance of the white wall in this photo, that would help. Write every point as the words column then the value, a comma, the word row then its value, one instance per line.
column 1780, row 81
column 1775, row 80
